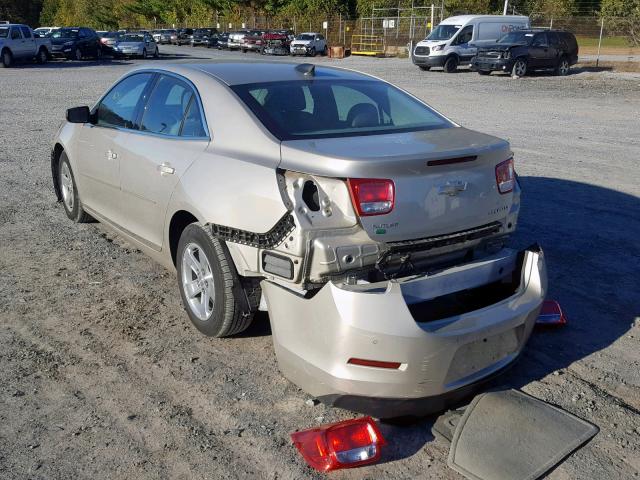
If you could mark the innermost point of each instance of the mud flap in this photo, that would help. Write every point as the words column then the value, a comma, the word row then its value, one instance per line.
column 508, row 434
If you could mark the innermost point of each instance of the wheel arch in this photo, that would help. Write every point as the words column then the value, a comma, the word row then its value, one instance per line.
column 56, row 153
column 179, row 221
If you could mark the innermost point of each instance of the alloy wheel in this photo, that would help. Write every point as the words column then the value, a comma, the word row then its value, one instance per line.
column 78, row 54
column 520, row 68
column 66, row 184
column 564, row 67
column 197, row 281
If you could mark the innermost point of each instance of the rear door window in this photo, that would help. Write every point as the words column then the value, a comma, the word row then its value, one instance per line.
column 172, row 105
column 26, row 33
column 15, row 34
column 118, row 108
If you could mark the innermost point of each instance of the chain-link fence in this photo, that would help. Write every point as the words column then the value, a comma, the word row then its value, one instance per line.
column 392, row 30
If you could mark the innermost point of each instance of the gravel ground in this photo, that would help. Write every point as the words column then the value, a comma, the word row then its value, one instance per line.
column 102, row 376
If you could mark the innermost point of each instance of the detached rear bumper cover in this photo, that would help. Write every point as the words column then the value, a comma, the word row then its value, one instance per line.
column 314, row 338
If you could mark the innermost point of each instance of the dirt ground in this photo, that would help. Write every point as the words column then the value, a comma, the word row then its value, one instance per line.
column 102, row 375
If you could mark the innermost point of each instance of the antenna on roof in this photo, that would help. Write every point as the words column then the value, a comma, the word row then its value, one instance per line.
column 307, row 69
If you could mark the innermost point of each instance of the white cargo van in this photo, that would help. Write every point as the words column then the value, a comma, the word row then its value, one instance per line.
column 455, row 40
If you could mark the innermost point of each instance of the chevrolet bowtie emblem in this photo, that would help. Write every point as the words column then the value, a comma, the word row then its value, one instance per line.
column 452, row 188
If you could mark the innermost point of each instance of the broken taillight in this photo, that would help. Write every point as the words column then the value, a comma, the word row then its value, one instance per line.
column 551, row 314
column 347, row 444
column 505, row 176
column 372, row 196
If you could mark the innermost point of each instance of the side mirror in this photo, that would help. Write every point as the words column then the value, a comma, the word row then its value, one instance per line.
column 79, row 115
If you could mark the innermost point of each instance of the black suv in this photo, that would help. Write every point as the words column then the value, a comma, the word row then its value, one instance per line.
column 522, row 51
column 183, row 36
column 75, row 43
column 205, row 36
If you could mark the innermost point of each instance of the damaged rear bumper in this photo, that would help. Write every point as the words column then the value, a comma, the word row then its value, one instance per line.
column 448, row 330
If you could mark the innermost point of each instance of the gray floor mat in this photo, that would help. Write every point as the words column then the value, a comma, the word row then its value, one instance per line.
column 511, row 435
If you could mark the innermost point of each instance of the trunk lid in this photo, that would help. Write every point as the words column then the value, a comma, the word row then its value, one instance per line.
column 444, row 179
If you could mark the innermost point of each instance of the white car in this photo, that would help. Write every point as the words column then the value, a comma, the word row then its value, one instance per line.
column 309, row 44
column 19, row 42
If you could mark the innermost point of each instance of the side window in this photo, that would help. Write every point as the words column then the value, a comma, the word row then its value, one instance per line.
column 192, row 126
column 554, row 39
column 465, row 35
column 540, row 40
column 167, row 108
column 26, row 33
column 118, row 107
column 15, row 34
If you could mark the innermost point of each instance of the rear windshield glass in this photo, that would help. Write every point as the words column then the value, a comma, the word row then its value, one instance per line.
column 4, row 32
column 304, row 37
column 305, row 109
column 518, row 38
column 132, row 38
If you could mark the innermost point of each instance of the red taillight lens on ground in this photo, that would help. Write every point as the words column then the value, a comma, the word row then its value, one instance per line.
column 372, row 196
column 505, row 176
column 347, row 444
column 551, row 314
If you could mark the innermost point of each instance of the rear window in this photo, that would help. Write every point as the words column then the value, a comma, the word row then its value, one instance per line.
column 4, row 32
column 338, row 108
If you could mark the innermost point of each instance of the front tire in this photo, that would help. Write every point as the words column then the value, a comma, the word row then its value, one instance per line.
column 451, row 65
column 145, row 55
column 69, row 192
column 214, row 297
column 519, row 68
column 424, row 68
column 483, row 72
column 312, row 52
column 77, row 54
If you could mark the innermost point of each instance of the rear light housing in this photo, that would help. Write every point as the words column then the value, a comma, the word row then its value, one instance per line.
column 505, row 176
column 372, row 196
column 347, row 444
column 551, row 314
column 374, row 363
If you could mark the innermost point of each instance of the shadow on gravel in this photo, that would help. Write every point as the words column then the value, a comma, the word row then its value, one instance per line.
column 57, row 64
column 589, row 235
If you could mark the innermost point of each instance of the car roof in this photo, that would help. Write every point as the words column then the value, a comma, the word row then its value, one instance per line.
column 462, row 19
column 243, row 72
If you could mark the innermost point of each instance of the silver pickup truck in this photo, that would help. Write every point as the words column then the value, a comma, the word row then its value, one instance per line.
column 18, row 42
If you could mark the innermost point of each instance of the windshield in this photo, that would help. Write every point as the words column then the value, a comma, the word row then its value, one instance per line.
column 518, row 38
column 65, row 33
column 111, row 35
column 304, row 37
column 203, row 30
column 306, row 109
column 4, row 32
column 132, row 38
column 443, row 32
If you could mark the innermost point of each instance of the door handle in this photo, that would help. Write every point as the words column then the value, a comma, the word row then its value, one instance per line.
column 166, row 169
column 111, row 155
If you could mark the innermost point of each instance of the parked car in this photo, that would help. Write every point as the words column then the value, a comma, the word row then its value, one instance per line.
column 19, row 42
column 45, row 31
column 137, row 45
column 182, row 36
column 371, row 227
column 309, row 43
column 205, row 36
column 222, row 41
column 274, row 43
column 253, row 41
column 167, row 36
column 156, row 35
column 109, row 41
column 76, row 43
column 236, row 39
column 454, row 42
column 527, row 50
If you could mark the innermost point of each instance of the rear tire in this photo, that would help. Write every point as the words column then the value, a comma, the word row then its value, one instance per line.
column 69, row 192
column 451, row 64
column 424, row 68
column 42, row 56
column 77, row 54
column 483, row 72
column 313, row 52
column 156, row 54
column 218, row 302
column 145, row 55
column 563, row 67
column 7, row 59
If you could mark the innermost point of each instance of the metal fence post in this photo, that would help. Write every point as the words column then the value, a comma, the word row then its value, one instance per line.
column 599, row 41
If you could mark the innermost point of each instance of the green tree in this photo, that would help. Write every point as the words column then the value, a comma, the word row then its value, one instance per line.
column 627, row 18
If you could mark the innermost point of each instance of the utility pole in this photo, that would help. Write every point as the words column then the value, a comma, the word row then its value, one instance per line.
column 506, row 5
